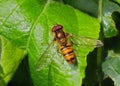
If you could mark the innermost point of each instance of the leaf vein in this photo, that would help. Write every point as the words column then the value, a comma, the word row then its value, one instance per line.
column 33, row 26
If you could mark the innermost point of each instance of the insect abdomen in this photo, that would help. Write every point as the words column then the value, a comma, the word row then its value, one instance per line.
column 68, row 54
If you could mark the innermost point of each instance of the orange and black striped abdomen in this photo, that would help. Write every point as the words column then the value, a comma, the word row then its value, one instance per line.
column 68, row 53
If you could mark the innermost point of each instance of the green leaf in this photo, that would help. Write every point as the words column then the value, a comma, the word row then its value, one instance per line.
column 111, row 64
column 10, row 59
column 89, row 6
column 117, row 1
column 2, row 82
column 27, row 24
column 108, row 23
column 17, row 18
column 83, row 25
column 111, row 67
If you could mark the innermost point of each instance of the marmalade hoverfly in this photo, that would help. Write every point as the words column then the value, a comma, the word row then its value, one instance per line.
column 65, row 46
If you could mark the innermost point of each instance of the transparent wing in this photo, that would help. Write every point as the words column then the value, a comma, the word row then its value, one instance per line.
column 45, row 58
column 86, row 41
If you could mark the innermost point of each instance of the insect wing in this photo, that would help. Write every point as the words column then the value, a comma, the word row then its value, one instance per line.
column 86, row 41
column 45, row 58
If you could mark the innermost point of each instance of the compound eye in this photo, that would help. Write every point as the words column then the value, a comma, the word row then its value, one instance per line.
column 57, row 27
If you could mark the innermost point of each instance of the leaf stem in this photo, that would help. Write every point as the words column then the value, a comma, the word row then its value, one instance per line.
column 101, row 37
column 100, row 10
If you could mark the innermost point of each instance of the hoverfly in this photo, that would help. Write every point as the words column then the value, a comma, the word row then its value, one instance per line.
column 65, row 46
